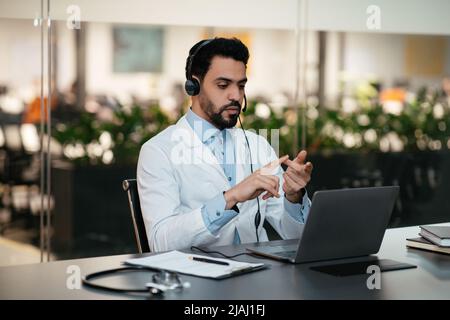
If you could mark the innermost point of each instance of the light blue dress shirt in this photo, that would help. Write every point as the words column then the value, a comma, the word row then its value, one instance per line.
column 213, row 212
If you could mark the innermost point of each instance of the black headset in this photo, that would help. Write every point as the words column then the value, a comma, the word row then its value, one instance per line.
column 192, row 86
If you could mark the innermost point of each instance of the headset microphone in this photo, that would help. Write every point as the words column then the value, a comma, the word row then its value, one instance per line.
column 245, row 104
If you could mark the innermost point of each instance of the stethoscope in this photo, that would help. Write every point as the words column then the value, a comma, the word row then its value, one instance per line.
column 162, row 281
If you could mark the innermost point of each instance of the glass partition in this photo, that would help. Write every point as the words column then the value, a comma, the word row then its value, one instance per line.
column 22, row 88
column 359, row 86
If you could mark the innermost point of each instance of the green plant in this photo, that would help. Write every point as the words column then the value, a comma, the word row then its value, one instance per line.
column 90, row 141
column 422, row 124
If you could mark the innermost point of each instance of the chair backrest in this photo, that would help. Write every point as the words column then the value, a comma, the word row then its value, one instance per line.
column 130, row 187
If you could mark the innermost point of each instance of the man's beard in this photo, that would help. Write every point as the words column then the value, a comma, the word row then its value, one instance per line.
column 217, row 118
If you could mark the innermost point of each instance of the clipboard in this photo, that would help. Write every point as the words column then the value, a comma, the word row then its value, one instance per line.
column 176, row 261
column 243, row 271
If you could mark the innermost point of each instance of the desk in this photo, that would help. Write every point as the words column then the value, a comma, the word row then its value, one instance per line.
column 431, row 280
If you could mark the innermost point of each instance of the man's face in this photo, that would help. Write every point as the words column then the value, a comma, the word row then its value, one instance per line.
column 222, row 91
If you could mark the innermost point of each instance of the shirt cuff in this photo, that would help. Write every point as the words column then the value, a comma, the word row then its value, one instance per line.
column 214, row 214
column 299, row 212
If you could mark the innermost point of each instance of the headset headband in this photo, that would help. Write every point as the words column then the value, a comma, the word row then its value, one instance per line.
column 191, row 57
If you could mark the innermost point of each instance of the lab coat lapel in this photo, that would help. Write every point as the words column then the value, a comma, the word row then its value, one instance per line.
column 201, row 155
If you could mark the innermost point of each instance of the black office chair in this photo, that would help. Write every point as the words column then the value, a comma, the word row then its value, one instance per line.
column 130, row 187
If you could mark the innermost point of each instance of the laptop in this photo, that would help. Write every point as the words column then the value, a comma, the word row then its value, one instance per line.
column 342, row 223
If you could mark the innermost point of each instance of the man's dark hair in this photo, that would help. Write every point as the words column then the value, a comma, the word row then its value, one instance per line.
column 223, row 47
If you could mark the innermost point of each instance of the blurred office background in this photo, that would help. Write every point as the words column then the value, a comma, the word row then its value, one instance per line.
column 364, row 86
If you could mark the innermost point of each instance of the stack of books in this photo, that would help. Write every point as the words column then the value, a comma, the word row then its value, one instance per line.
column 432, row 238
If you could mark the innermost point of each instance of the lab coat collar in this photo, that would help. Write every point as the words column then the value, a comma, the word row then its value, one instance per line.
column 202, row 154
column 202, row 128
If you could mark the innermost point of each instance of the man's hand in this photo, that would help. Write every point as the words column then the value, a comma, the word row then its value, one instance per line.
column 296, row 177
column 255, row 184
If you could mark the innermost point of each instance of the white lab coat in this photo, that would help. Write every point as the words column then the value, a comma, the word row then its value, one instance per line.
column 177, row 175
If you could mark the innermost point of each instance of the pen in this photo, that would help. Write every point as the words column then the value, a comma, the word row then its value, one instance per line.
column 209, row 261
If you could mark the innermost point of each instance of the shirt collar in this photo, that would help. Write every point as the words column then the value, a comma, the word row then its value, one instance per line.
column 202, row 128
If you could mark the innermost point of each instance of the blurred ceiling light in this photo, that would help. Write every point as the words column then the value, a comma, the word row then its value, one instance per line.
column 396, row 142
column 20, row 197
column 55, row 147
column 108, row 157
column 94, row 150
column 35, row 203
column 363, row 120
column 79, row 150
column 312, row 113
column 438, row 111
column 11, row 105
column 421, row 144
column 30, row 137
column 291, row 117
column 105, row 140
column 393, row 107
column 349, row 105
column 349, row 140
column 338, row 133
column 68, row 151
column 435, row 145
column 370, row 136
column 384, row 144
column 391, row 142
column 74, row 151
column 262, row 110
column 312, row 101
column 12, row 137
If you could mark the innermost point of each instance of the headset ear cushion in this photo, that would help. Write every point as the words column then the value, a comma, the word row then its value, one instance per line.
column 192, row 87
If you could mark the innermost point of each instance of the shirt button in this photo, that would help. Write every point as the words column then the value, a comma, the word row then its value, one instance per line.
column 218, row 213
column 229, row 178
